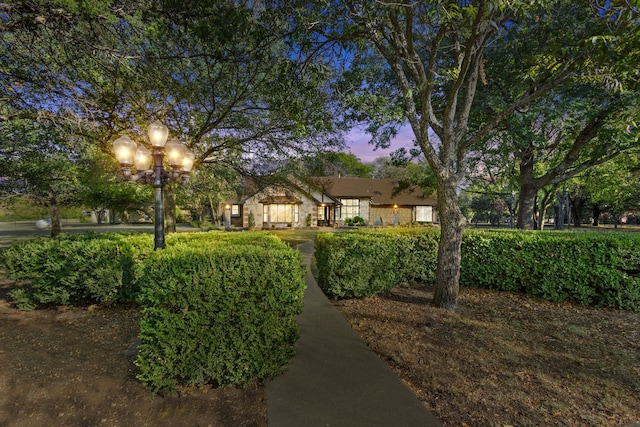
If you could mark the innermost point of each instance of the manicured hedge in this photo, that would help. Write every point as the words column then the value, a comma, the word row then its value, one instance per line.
column 218, row 307
column 417, row 253
column 96, row 268
column 366, row 263
column 221, row 313
column 352, row 264
column 78, row 269
column 601, row 269
column 263, row 239
column 587, row 268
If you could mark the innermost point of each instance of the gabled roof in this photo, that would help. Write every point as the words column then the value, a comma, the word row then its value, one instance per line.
column 330, row 189
column 379, row 191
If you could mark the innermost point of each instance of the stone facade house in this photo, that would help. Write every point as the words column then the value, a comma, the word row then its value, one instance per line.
column 329, row 202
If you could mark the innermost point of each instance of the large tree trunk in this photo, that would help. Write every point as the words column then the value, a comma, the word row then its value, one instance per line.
column 528, row 191
column 596, row 215
column 54, row 211
column 527, row 203
column 577, row 204
column 559, row 225
column 449, row 249
column 169, row 209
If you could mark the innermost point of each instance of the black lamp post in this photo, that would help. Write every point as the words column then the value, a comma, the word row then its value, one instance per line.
column 180, row 160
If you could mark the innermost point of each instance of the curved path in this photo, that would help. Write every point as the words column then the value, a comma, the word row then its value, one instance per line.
column 335, row 379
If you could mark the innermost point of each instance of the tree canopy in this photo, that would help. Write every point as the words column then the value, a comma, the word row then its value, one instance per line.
column 433, row 64
column 229, row 78
column 38, row 161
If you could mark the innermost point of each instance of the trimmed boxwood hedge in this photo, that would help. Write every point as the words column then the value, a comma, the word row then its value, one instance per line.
column 352, row 264
column 221, row 313
column 76, row 269
column 600, row 269
column 371, row 262
column 218, row 307
column 597, row 269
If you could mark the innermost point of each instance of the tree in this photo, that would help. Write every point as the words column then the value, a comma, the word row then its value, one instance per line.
column 234, row 86
column 102, row 191
column 434, row 55
column 335, row 163
column 38, row 161
column 613, row 187
column 582, row 123
column 210, row 186
column 585, row 135
column 226, row 76
column 435, row 51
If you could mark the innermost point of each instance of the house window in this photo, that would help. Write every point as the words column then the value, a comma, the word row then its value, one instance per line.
column 235, row 210
column 350, row 208
column 284, row 213
column 424, row 213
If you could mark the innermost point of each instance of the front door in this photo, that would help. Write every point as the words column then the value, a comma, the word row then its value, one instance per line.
column 325, row 214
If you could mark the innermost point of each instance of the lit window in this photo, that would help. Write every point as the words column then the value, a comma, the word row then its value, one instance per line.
column 282, row 213
column 235, row 210
column 424, row 213
column 350, row 208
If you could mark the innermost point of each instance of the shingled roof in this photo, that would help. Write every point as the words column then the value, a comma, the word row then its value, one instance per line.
column 380, row 191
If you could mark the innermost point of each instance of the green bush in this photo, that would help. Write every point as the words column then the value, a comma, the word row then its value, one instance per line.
column 586, row 268
column 217, row 237
column 354, row 264
column 79, row 269
column 373, row 261
column 219, row 307
column 355, row 221
column 417, row 253
column 221, row 312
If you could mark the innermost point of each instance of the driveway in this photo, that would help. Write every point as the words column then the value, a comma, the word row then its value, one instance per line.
column 12, row 232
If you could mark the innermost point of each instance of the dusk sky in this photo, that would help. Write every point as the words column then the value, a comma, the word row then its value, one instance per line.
column 357, row 143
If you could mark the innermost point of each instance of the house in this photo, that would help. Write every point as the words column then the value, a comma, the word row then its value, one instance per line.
column 329, row 201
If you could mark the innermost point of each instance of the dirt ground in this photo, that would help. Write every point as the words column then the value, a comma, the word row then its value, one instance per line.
column 507, row 360
column 74, row 367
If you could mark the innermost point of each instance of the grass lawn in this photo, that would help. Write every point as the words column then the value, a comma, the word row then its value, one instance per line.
column 294, row 237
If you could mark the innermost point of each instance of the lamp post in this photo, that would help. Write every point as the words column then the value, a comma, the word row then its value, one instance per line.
column 180, row 160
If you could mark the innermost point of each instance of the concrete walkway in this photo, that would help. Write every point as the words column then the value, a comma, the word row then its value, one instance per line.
column 335, row 379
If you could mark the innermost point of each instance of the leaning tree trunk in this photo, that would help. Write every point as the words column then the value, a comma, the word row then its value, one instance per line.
column 169, row 198
column 449, row 249
column 543, row 206
column 214, row 212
